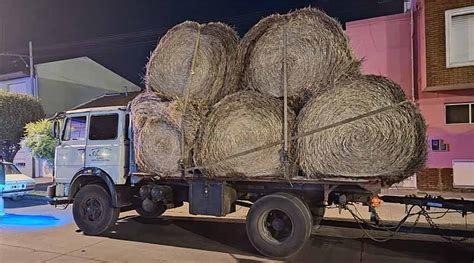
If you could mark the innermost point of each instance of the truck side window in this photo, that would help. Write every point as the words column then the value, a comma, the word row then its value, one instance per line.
column 75, row 129
column 103, row 127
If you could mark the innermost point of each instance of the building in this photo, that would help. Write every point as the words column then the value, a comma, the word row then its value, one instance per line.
column 63, row 85
column 30, row 165
column 73, row 81
column 429, row 51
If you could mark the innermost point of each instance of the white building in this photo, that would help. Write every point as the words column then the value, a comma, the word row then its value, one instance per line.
column 64, row 84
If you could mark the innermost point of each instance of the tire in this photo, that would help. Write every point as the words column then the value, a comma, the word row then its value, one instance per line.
column 160, row 209
column 278, row 225
column 93, row 211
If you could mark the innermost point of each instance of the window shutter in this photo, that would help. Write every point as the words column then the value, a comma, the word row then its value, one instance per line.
column 462, row 38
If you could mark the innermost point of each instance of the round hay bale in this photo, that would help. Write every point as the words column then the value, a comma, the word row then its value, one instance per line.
column 240, row 122
column 157, row 129
column 390, row 145
column 318, row 54
column 215, row 72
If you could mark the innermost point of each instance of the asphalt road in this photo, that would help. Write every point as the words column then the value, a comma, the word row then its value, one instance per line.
column 36, row 232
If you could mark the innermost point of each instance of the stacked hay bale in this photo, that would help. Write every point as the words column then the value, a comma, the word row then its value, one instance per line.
column 158, row 128
column 317, row 55
column 232, row 133
column 194, row 60
column 238, row 123
column 192, row 67
column 390, row 145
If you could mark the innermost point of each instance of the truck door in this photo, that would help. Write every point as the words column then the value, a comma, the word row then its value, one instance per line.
column 70, row 154
column 105, row 144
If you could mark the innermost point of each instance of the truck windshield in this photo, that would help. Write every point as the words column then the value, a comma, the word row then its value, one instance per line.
column 11, row 169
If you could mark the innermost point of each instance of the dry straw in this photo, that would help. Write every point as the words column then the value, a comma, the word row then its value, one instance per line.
column 390, row 145
column 240, row 122
column 157, row 129
column 195, row 58
column 318, row 54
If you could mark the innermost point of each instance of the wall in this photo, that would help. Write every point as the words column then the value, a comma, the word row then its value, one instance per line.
column 459, row 137
column 385, row 45
column 25, row 83
column 32, row 166
column 68, row 83
column 384, row 42
column 59, row 96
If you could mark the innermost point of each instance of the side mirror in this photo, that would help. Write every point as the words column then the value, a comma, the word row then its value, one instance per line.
column 56, row 129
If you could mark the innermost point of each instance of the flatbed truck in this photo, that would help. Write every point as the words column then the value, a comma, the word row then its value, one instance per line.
column 95, row 170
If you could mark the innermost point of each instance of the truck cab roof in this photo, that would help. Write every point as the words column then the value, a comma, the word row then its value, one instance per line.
column 97, row 109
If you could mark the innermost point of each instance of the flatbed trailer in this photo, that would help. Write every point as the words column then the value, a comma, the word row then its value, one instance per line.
column 98, row 174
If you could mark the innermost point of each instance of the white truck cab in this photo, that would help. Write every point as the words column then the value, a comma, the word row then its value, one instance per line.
column 93, row 145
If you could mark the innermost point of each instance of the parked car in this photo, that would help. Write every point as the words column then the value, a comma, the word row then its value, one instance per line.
column 16, row 183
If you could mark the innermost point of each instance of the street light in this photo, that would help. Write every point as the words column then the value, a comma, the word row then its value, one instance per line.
column 22, row 57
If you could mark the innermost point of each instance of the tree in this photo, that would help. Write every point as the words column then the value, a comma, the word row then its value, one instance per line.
column 16, row 110
column 39, row 138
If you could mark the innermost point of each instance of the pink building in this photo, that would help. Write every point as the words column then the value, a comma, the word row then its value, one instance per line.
column 429, row 51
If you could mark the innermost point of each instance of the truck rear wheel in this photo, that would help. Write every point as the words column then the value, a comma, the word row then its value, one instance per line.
column 278, row 225
column 93, row 211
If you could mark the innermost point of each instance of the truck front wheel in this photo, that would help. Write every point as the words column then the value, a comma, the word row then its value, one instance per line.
column 93, row 211
column 278, row 225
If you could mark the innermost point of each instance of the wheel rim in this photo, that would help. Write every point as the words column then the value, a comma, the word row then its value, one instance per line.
column 92, row 209
column 276, row 226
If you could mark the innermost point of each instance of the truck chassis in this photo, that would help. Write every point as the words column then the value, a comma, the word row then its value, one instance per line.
column 282, row 213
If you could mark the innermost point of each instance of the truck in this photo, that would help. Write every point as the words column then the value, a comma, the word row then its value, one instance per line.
column 95, row 170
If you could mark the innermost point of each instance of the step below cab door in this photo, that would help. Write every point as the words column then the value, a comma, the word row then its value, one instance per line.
column 70, row 154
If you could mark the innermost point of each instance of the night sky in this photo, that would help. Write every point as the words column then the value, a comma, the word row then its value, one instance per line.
column 121, row 34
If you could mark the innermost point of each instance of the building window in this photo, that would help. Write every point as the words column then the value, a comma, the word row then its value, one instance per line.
column 103, row 127
column 75, row 129
column 459, row 113
column 459, row 37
